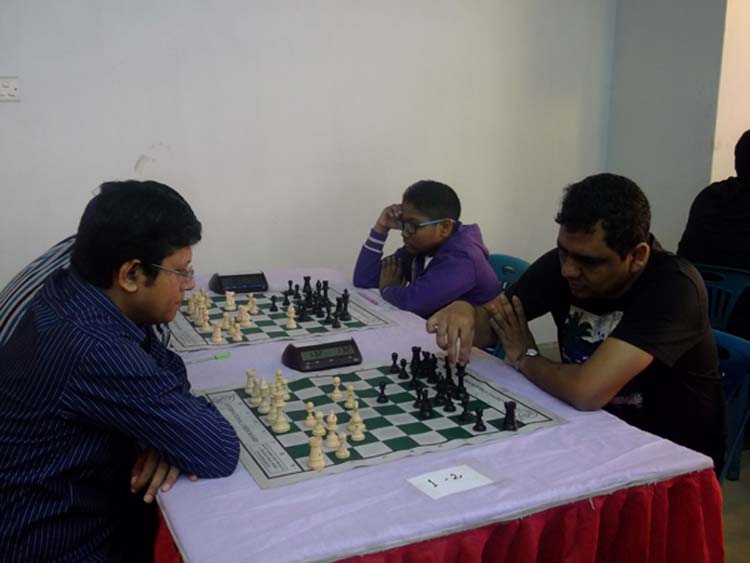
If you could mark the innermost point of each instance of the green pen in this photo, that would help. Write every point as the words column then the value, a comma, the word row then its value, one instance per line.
column 221, row 356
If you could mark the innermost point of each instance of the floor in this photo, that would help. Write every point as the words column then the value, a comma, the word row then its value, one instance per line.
column 737, row 514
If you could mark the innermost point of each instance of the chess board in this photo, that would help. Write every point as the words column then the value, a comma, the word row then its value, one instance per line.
column 393, row 429
column 268, row 325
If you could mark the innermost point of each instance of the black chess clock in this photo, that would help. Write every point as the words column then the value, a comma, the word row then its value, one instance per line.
column 317, row 357
column 238, row 282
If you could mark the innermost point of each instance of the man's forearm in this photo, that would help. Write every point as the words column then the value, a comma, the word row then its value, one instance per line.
column 564, row 381
column 483, row 333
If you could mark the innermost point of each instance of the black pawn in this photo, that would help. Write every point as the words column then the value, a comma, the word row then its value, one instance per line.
column 394, row 366
column 479, row 426
column 303, row 317
column 382, row 398
column 345, row 315
column 335, row 323
column 466, row 414
column 418, row 402
column 449, row 406
column 289, row 291
column 285, row 303
column 510, row 422
column 273, row 308
column 328, row 320
column 297, row 295
column 402, row 373
column 433, row 376
column 425, row 408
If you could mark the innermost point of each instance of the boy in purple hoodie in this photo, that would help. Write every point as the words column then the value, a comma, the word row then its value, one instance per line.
column 441, row 260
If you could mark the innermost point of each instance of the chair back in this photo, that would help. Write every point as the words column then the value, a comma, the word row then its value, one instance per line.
column 507, row 269
column 724, row 287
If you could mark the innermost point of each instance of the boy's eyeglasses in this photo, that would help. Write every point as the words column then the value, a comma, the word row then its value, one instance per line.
column 188, row 274
column 411, row 228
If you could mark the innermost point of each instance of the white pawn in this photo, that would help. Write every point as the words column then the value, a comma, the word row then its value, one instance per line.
column 191, row 307
column 358, row 434
column 236, row 333
column 279, row 377
column 252, row 304
column 331, row 420
column 291, row 324
column 226, row 323
column 320, row 428
column 356, row 418
column 285, row 389
column 332, row 440
column 255, row 395
column 251, row 381
column 349, row 404
column 217, row 337
column 316, row 461
column 206, row 323
column 343, row 451
column 231, row 305
column 265, row 393
column 310, row 420
column 336, row 395
column 281, row 424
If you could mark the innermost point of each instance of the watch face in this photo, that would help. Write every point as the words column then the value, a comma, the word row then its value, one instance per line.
column 531, row 352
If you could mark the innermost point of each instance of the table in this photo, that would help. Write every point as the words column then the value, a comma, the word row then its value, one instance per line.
column 590, row 487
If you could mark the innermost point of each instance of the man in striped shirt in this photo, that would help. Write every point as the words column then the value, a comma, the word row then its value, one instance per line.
column 93, row 406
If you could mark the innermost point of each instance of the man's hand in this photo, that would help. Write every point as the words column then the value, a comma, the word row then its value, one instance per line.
column 508, row 321
column 390, row 218
column 151, row 468
column 451, row 325
column 390, row 272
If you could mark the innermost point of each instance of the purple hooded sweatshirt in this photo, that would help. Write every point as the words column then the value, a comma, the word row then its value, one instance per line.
column 458, row 270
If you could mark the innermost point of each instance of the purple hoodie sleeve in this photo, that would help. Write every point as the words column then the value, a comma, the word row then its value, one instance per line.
column 444, row 281
column 367, row 269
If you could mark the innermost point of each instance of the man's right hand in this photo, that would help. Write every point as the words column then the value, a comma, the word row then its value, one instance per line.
column 451, row 325
column 390, row 218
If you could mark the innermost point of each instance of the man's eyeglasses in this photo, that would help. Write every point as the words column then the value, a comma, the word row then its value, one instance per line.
column 188, row 274
column 411, row 228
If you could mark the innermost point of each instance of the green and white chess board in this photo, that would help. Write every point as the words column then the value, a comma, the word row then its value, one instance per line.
column 393, row 429
column 267, row 325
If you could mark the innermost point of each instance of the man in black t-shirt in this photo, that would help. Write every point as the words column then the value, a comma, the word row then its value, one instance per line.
column 632, row 321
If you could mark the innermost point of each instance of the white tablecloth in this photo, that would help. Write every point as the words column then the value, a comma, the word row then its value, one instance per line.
column 370, row 509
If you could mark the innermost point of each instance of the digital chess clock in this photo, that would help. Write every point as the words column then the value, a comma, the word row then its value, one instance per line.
column 238, row 282
column 318, row 357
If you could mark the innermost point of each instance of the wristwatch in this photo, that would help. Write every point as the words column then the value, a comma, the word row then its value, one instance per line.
column 531, row 353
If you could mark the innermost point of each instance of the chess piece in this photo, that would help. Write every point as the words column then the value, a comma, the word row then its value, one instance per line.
column 225, row 324
column 316, row 460
column 510, row 422
column 355, row 419
column 290, row 313
column 205, row 321
column 289, row 291
column 281, row 424
column 358, row 435
column 342, row 452
column 465, row 416
column 332, row 440
column 425, row 408
column 479, row 425
column 230, row 304
column 252, row 304
column 349, row 404
column 320, row 427
column 285, row 302
column 285, row 389
column 265, row 394
column 331, row 421
column 337, row 395
column 335, row 323
column 310, row 420
column 394, row 366
column 402, row 373
column 251, row 375
column 255, row 396
column 382, row 397
column 449, row 406
column 236, row 333
column 217, row 337
column 274, row 308
column 415, row 359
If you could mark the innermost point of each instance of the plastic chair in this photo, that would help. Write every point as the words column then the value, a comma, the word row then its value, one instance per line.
column 734, row 362
column 507, row 269
column 724, row 286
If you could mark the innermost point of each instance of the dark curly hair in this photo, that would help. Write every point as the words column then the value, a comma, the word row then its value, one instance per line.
column 434, row 199
column 614, row 200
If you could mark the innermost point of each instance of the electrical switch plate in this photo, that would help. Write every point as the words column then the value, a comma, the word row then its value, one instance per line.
column 9, row 91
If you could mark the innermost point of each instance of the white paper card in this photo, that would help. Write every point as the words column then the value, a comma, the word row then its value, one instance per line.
column 443, row 482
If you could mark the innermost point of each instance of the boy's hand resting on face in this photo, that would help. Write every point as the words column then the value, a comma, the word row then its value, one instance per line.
column 390, row 218
column 390, row 272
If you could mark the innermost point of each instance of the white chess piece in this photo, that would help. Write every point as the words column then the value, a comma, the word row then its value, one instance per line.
column 252, row 377
column 265, row 393
column 358, row 435
column 337, row 395
column 310, row 420
column 191, row 307
column 291, row 324
column 206, row 326
column 349, row 404
column 252, row 304
column 332, row 440
column 316, row 461
column 217, row 337
column 236, row 333
column 231, row 305
column 355, row 419
column 226, row 323
column 281, row 423
column 342, row 452
column 244, row 317
column 320, row 427
column 285, row 389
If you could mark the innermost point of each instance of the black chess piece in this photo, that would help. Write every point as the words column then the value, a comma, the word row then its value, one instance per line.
column 510, row 422
column 289, row 291
column 303, row 317
column 433, row 376
column 296, row 294
column 479, row 425
column 335, row 323
column 318, row 309
column 415, row 358
column 414, row 382
column 285, row 303
column 328, row 320
column 318, row 287
column 307, row 288
column 466, row 414
column 382, row 398
column 394, row 366
column 440, row 397
column 273, row 308
column 425, row 407
column 424, row 365
column 345, row 315
column 460, row 389
column 418, row 402
column 325, row 290
column 449, row 406
column 402, row 372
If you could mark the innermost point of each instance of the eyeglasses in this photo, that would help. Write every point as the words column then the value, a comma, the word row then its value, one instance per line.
column 188, row 274
column 411, row 228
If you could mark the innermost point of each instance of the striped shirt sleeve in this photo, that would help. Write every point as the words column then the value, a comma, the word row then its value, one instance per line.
column 367, row 269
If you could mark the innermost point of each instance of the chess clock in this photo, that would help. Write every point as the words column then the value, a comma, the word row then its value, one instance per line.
column 238, row 282
column 317, row 357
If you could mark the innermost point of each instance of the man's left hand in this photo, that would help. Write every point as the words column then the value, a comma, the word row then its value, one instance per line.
column 390, row 272
column 508, row 321
column 152, row 468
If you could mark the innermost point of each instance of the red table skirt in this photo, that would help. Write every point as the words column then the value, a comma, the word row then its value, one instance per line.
column 678, row 521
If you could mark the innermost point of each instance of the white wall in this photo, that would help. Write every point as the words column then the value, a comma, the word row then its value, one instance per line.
column 666, row 63
column 289, row 124
column 734, row 89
